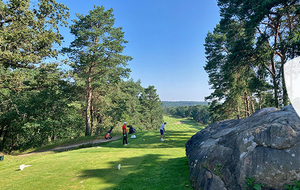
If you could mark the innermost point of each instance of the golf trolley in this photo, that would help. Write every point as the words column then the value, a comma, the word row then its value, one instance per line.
column 131, row 129
column 108, row 136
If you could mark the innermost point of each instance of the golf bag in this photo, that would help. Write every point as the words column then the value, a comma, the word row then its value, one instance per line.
column 108, row 136
column 131, row 129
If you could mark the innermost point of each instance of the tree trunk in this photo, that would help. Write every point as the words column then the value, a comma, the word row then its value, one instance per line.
column 2, row 127
column 92, row 116
column 246, row 103
column 99, row 120
column 11, row 145
column 273, row 63
column 88, row 104
column 275, row 84
column 53, row 136
column 260, row 100
column 251, row 105
column 3, row 141
column 88, row 120
column 285, row 97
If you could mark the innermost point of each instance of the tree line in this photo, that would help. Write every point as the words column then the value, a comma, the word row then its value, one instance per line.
column 199, row 113
column 41, row 101
column 181, row 103
column 246, row 53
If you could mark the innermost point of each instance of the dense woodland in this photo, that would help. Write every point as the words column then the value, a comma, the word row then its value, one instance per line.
column 246, row 53
column 40, row 101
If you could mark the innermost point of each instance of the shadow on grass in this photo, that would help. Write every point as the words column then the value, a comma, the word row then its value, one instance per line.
column 192, row 124
column 152, row 171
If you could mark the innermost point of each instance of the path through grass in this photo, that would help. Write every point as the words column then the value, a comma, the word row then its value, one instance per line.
column 146, row 163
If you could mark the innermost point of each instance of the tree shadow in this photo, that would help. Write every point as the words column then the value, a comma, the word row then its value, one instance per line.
column 190, row 122
column 153, row 172
column 193, row 125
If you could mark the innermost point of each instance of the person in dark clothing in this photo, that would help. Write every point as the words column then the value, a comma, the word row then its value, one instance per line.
column 124, row 134
column 131, row 129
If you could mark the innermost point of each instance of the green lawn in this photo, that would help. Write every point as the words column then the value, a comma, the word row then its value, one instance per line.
column 146, row 163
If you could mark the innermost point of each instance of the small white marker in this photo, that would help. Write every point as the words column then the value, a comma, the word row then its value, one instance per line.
column 23, row 166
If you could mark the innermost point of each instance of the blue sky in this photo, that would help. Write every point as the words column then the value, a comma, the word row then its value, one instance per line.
column 166, row 40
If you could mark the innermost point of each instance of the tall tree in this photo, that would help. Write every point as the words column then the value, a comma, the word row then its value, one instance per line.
column 228, row 78
column 272, row 24
column 246, row 54
column 151, row 108
column 96, row 53
column 28, row 32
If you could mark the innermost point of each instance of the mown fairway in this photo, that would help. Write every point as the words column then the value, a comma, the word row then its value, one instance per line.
column 146, row 163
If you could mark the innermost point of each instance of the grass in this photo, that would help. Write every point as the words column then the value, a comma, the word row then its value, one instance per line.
column 146, row 163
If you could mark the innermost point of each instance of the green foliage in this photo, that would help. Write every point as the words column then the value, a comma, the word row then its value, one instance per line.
column 97, row 59
column 251, row 185
column 39, row 103
column 297, row 183
column 293, row 187
column 29, row 31
column 29, row 112
column 181, row 103
column 245, row 55
column 199, row 113
column 217, row 170
column 151, row 108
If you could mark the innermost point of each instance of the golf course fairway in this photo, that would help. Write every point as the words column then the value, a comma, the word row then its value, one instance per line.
column 146, row 163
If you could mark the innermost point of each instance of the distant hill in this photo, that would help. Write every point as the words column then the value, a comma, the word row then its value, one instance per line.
column 181, row 103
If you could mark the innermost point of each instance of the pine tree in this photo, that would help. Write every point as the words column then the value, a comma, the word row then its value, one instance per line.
column 28, row 32
column 274, row 26
column 96, row 53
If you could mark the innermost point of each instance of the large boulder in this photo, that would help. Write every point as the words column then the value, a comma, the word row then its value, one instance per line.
column 264, row 146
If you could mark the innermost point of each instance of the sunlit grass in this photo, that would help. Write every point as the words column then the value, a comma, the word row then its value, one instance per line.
column 146, row 163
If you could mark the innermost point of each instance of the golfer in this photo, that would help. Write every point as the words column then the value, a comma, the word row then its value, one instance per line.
column 124, row 134
column 162, row 130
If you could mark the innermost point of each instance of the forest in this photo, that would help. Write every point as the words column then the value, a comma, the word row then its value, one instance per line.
column 40, row 101
column 181, row 103
column 246, row 53
column 199, row 113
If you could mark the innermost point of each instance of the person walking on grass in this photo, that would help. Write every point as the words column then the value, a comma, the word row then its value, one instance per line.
column 124, row 134
column 162, row 130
